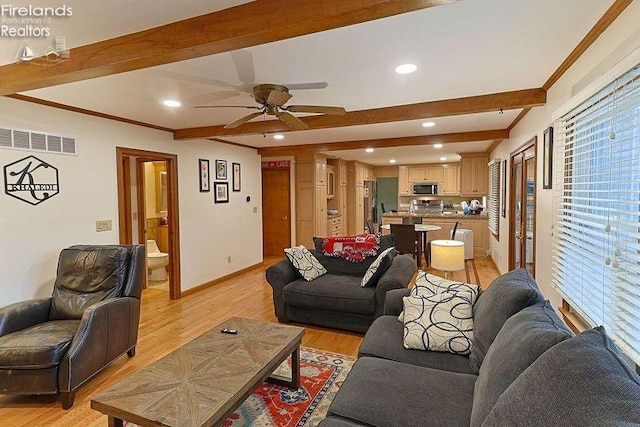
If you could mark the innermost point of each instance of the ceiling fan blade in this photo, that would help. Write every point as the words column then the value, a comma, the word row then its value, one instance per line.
column 321, row 109
column 278, row 98
column 292, row 121
column 243, row 120
column 243, row 61
column 312, row 85
column 227, row 106
column 214, row 97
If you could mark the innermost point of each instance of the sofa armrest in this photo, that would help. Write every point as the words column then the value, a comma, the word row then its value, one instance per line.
column 393, row 304
column 397, row 276
column 278, row 276
column 23, row 314
column 107, row 329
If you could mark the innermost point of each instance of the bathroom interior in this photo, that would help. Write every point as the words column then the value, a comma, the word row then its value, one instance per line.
column 157, row 230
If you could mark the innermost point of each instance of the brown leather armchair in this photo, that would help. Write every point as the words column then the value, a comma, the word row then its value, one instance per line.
column 54, row 345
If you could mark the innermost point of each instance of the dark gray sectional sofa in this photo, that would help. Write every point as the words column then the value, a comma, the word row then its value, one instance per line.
column 525, row 369
column 336, row 299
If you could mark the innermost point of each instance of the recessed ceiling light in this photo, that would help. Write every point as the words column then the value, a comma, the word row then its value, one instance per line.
column 437, row 145
column 392, row 160
column 405, row 68
column 171, row 103
column 428, row 124
column 369, row 150
column 443, row 159
column 278, row 136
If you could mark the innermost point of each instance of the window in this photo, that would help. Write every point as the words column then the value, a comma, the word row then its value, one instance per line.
column 494, row 196
column 596, row 260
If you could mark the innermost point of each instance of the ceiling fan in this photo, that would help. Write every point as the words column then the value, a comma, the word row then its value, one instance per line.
column 272, row 98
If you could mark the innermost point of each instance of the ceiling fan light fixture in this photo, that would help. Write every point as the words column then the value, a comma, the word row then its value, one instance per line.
column 405, row 68
column 392, row 160
column 278, row 136
column 369, row 150
column 437, row 145
column 428, row 124
column 171, row 103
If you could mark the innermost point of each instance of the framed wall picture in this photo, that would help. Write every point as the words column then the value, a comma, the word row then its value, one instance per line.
column 203, row 166
column 547, row 158
column 221, row 192
column 221, row 169
column 236, row 176
column 504, row 189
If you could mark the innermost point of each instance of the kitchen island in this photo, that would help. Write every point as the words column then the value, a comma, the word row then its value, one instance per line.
column 477, row 223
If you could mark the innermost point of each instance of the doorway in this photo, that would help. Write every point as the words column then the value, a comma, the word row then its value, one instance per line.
column 523, row 207
column 160, row 172
column 276, row 211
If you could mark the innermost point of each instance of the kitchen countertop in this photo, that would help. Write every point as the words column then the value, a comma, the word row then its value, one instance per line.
column 434, row 215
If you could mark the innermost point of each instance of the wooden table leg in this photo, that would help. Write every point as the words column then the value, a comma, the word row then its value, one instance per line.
column 115, row 422
column 295, row 372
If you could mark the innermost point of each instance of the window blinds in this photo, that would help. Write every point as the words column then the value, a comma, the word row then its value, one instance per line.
column 494, row 196
column 596, row 259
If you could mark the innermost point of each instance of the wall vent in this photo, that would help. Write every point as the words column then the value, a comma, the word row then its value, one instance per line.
column 36, row 141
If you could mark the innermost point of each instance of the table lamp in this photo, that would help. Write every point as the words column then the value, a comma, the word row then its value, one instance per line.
column 447, row 255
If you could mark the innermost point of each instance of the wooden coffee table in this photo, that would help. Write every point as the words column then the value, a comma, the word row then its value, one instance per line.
column 204, row 381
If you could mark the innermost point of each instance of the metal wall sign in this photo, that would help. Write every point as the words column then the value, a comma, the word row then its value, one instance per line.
column 31, row 180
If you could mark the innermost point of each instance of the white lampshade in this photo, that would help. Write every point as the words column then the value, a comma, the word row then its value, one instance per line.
column 447, row 255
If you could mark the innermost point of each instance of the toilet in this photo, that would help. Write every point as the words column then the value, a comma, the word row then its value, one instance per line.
column 156, row 262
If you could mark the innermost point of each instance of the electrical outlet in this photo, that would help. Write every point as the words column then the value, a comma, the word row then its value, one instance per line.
column 255, row 209
column 228, row 260
column 103, row 225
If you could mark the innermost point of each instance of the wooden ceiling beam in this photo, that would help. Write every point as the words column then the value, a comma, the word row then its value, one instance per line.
column 246, row 25
column 475, row 136
column 449, row 107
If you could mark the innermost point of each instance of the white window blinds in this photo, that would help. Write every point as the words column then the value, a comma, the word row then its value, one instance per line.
column 596, row 260
column 494, row 196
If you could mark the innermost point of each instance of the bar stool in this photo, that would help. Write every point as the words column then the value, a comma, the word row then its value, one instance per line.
column 466, row 236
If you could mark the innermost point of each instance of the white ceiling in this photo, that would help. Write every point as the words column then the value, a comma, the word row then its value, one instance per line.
column 471, row 47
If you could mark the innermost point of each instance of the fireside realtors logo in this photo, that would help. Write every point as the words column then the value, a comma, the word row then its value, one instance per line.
column 31, row 180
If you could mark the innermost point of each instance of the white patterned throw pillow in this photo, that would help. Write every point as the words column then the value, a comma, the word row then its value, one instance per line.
column 428, row 284
column 307, row 265
column 441, row 322
column 378, row 267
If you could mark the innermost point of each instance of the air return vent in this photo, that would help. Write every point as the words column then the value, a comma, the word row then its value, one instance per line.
column 36, row 141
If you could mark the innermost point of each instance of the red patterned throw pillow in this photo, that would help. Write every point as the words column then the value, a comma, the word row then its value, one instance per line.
column 352, row 248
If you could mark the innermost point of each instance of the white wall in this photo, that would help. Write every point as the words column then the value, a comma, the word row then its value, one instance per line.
column 150, row 190
column 31, row 237
column 621, row 38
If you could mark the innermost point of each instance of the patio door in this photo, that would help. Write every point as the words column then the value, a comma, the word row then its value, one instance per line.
column 523, row 208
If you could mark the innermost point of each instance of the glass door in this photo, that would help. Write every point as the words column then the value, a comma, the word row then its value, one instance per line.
column 523, row 208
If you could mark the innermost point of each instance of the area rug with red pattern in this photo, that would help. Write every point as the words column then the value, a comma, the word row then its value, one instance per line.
column 321, row 375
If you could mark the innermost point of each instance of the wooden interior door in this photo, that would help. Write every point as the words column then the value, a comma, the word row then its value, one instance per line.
column 276, row 211
column 523, row 208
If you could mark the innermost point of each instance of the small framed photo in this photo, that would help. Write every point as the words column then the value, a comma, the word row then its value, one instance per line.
column 203, row 166
column 221, row 169
column 236, row 176
column 221, row 192
column 547, row 158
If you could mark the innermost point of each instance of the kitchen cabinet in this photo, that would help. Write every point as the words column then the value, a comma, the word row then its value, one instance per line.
column 342, row 172
column 426, row 173
column 404, row 188
column 311, row 198
column 478, row 224
column 474, row 175
column 450, row 183
column 334, row 226
column 355, row 214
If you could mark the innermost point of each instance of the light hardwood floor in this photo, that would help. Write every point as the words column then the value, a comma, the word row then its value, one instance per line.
column 165, row 325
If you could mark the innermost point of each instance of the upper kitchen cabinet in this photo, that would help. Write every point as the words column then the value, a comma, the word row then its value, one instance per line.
column 428, row 173
column 451, row 180
column 320, row 164
column 404, row 188
column 311, row 198
column 474, row 174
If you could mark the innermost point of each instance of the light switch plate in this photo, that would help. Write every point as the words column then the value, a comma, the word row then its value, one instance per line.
column 103, row 225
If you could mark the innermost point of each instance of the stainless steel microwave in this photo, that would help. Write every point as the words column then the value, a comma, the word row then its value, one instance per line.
column 425, row 188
